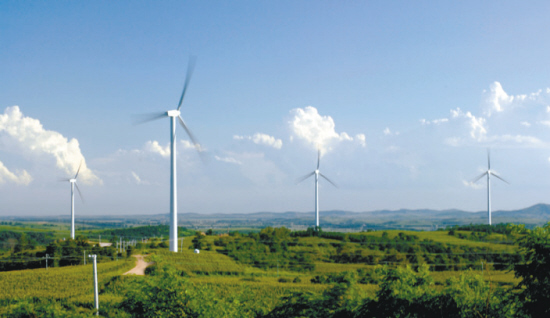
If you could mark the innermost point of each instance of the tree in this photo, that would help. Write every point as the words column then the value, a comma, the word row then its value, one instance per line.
column 535, row 271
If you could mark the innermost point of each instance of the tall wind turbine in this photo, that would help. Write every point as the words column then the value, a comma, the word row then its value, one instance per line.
column 174, row 116
column 488, row 173
column 73, row 185
column 316, row 173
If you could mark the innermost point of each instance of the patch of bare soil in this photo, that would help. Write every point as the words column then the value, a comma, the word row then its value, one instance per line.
column 141, row 265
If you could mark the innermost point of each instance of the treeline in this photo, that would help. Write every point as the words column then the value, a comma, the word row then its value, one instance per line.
column 10, row 240
column 270, row 248
column 407, row 249
column 501, row 228
column 58, row 253
column 148, row 231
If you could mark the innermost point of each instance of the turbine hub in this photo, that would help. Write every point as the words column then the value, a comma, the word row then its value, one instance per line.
column 72, row 180
column 317, row 171
column 173, row 113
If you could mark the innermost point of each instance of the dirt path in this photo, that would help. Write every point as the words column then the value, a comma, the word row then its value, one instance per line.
column 141, row 265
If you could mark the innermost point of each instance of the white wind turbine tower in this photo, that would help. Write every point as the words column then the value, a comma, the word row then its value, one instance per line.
column 174, row 116
column 73, row 185
column 317, row 173
column 488, row 173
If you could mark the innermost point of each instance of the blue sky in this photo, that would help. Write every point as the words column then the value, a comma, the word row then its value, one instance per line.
column 403, row 98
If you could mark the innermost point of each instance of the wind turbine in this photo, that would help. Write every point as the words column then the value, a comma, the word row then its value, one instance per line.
column 317, row 173
column 73, row 185
column 488, row 173
column 174, row 116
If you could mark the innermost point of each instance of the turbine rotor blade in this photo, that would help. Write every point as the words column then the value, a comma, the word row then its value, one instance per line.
column 479, row 177
column 193, row 139
column 322, row 175
column 489, row 158
column 304, row 177
column 318, row 158
column 190, row 69
column 145, row 118
column 80, row 193
column 496, row 175
column 77, row 171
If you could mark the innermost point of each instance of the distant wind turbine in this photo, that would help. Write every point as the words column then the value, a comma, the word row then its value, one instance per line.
column 317, row 173
column 488, row 173
column 73, row 185
column 174, row 116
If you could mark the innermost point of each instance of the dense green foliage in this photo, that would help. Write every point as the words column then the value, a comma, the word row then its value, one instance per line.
column 268, row 249
column 502, row 228
column 19, row 241
column 140, row 232
column 535, row 271
column 59, row 253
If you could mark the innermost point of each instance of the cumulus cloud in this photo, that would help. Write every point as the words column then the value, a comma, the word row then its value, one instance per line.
column 22, row 177
column 316, row 130
column 476, row 124
column 156, row 148
column 497, row 99
column 26, row 136
column 361, row 139
column 262, row 139
column 388, row 132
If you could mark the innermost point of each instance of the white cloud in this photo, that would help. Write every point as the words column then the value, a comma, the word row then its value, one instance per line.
column 189, row 145
column 316, row 130
column 477, row 129
column 525, row 123
column 361, row 139
column 262, row 139
column 137, row 178
column 27, row 136
column 23, row 177
column 155, row 147
column 512, row 140
column 497, row 100
column 473, row 185
column 433, row 122
column 228, row 160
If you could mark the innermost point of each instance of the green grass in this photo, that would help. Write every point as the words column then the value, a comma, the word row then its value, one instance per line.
column 58, row 282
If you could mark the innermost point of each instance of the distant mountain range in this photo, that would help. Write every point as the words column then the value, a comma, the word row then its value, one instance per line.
column 423, row 219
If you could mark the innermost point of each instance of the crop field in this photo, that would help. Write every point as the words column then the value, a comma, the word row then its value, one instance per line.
column 60, row 282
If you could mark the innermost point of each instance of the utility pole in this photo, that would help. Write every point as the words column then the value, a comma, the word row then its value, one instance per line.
column 84, row 257
column 121, row 244
column 47, row 261
column 96, row 296
column 100, row 240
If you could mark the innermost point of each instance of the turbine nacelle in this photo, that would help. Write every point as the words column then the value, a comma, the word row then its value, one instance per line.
column 72, row 180
column 173, row 113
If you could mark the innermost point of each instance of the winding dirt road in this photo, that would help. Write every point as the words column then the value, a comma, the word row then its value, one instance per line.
column 141, row 265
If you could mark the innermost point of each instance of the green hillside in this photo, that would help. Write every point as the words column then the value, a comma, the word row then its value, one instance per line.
column 277, row 272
